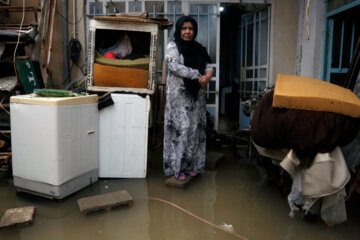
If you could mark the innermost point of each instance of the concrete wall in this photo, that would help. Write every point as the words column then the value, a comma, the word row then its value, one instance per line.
column 283, row 43
column 15, row 17
column 79, row 29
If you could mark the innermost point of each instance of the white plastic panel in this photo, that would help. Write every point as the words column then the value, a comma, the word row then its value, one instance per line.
column 124, row 137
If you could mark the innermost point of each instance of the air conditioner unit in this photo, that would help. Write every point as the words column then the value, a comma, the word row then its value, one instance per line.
column 4, row 2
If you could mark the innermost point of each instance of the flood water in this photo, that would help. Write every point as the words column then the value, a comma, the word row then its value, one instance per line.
column 234, row 193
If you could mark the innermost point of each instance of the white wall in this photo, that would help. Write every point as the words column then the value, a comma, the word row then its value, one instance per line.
column 284, row 32
column 309, row 54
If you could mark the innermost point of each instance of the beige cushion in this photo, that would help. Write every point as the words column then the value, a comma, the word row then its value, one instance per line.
column 296, row 92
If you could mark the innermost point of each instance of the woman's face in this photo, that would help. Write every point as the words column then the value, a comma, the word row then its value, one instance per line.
column 187, row 31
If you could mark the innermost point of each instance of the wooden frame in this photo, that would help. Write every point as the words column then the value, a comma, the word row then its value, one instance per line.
column 124, row 24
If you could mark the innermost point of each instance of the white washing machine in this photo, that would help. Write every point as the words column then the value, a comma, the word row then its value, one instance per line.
column 55, row 144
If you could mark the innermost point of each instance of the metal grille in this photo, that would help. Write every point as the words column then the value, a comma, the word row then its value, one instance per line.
column 254, row 54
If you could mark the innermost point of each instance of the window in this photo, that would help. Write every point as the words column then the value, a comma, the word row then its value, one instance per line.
column 343, row 29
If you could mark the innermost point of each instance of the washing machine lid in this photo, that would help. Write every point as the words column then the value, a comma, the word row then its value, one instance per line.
column 54, row 101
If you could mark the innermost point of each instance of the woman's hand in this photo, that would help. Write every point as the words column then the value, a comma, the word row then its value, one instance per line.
column 205, row 79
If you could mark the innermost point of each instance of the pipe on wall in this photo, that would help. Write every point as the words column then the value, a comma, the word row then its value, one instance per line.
column 74, row 19
column 65, row 46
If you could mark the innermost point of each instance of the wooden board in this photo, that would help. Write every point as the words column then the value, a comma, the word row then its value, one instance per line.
column 173, row 182
column 109, row 76
column 105, row 201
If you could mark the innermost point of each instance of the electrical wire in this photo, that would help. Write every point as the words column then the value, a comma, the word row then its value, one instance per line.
column 3, row 106
column 77, row 21
column 307, row 19
column 18, row 40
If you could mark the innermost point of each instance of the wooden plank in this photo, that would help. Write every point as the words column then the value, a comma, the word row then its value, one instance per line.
column 173, row 182
column 17, row 216
column 105, row 201
column 50, row 19
column 163, row 22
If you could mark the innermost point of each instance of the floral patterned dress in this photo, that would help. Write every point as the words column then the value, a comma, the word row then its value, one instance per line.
column 185, row 119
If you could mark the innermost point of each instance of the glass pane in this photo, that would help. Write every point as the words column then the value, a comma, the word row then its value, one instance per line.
column 206, row 16
column 95, row 8
column 262, row 85
column 243, row 39
column 212, row 86
column 211, row 98
column 135, row 6
column 264, row 13
column 262, row 73
column 154, row 8
column 256, row 43
column 174, row 7
column 249, row 18
column 347, row 22
column 347, row 44
column 255, row 73
column 336, row 43
column 338, row 78
column 357, row 32
column 115, row 7
column 249, row 73
column 248, row 86
column 263, row 41
column 249, row 43
column 214, row 71
column 202, row 8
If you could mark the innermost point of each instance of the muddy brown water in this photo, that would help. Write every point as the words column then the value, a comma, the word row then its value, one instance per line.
column 234, row 193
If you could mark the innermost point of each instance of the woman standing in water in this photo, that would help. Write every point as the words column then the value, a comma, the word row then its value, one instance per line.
column 185, row 111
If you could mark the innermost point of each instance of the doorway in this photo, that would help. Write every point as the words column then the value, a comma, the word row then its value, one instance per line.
column 244, row 54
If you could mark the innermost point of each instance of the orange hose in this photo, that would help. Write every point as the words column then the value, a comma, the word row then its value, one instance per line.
column 197, row 217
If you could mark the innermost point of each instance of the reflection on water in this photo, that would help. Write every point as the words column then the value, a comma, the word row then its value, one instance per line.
column 232, row 194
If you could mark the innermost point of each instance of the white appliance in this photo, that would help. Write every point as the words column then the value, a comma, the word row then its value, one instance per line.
column 55, row 144
column 124, row 137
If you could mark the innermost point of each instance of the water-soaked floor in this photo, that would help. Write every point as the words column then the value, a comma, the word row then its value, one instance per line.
column 234, row 194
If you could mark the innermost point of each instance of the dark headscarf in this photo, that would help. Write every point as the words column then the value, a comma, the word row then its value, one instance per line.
column 195, row 55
